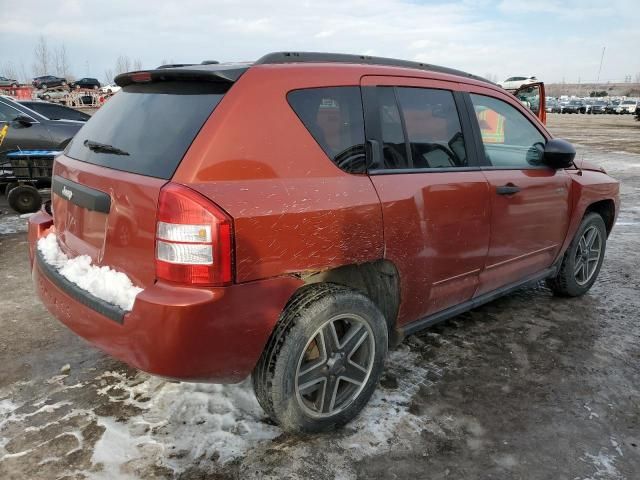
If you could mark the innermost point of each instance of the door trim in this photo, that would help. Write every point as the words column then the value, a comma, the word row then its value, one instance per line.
column 446, row 314
column 520, row 257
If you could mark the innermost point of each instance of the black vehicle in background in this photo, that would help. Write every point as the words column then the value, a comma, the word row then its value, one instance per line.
column 599, row 106
column 574, row 106
column 48, row 81
column 55, row 112
column 86, row 83
column 22, row 128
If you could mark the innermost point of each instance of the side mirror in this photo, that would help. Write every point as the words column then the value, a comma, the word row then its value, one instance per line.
column 23, row 120
column 559, row 153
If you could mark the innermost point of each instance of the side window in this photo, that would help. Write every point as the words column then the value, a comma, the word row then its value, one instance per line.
column 394, row 147
column 334, row 118
column 509, row 138
column 432, row 127
column 7, row 113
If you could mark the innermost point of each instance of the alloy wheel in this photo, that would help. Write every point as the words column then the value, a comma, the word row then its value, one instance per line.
column 335, row 365
column 587, row 255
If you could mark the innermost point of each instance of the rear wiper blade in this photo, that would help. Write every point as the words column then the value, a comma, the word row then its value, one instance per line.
column 103, row 148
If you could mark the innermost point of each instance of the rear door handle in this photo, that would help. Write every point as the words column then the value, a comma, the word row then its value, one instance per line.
column 508, row 189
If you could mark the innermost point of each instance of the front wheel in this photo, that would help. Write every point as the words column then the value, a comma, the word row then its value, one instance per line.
column 323, row 361
column 582, row 260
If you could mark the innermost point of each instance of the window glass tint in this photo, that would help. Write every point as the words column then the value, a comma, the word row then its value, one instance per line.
column 433, row 128
column 7, row 113
column 334, row 118
column 510, row 140
column 155, row 124
column 394, row 149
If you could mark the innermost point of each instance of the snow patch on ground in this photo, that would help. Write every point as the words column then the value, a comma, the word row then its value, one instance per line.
column 12, row 224
column 102, row 282
column 185, row 425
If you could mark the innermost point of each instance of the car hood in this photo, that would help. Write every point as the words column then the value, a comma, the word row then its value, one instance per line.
column 586, row 165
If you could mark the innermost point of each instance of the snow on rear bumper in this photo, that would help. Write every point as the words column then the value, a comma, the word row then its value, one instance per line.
column 184, row 333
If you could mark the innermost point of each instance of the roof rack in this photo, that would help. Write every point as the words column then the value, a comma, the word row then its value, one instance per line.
column 320, row 57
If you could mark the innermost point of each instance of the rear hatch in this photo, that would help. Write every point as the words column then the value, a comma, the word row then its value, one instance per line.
column 107, row 183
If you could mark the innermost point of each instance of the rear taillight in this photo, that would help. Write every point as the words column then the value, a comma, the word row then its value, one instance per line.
column 193, row 239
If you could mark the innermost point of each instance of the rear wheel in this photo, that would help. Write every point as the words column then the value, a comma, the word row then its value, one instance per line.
column 582, row 260
column 24, row 199
column 323, row 361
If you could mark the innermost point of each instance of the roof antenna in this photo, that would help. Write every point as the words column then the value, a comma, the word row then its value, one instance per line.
column 581, row 162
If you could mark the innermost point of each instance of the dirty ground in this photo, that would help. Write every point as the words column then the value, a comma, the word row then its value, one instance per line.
column 526, row 387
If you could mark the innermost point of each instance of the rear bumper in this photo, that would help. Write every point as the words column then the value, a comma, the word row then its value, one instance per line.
column 184, row 333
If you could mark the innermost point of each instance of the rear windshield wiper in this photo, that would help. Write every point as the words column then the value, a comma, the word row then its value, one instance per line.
column 103, row 148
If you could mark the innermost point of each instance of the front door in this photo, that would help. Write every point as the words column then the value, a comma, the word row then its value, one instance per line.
column 529, row 201
column 434, row 197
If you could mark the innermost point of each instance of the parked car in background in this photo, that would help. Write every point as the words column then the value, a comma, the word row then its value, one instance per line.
column 8, row 82
column 244, row 263
column 49, row 81
column 553, row 106
column 26, row 129
column 86, row 83
column 611, row 106
column 111, row 88
column 53, row 96
column 512, row 83
column 626, row 107
column 53, row 111
column 598, row 107
column 574, row 106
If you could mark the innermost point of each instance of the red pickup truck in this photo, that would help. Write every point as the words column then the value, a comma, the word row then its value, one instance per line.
column 293, row 218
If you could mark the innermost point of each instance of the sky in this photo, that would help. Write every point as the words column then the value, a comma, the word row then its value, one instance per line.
column 556, row 41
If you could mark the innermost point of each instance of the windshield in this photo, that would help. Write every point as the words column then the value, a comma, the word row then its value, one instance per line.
column 153, row 123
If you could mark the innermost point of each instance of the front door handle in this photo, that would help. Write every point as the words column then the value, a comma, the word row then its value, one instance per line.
column 508, row 189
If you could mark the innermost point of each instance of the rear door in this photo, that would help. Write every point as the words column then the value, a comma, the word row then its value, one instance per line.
column 529, row 201
column 434, row 197
column 106, row 185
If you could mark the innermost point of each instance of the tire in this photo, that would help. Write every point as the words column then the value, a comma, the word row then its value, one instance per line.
column 571, row 280
column 300, row 333
column 8, row 187
column 24, row 199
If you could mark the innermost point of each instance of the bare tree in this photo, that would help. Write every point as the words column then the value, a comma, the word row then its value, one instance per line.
column 24, row 78
column 9, row 70
column 137, row 64
column 108, row 76
column 61, row 61
column 42, row 58
column 638, row 77
column 123, row 64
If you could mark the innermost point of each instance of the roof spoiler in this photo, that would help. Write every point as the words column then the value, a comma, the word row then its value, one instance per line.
column 215, row 73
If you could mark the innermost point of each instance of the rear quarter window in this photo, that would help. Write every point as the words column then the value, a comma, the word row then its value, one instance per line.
column 334, row 117
column 154, row 124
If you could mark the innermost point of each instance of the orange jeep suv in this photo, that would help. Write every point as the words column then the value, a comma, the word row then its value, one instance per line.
column 293, row 218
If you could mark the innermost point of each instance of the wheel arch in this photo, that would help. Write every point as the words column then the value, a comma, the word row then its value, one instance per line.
column 606, row 209
column 378, row 280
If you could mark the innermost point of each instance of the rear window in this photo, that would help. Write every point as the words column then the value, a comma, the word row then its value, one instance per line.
column 334, row 117
column 153, row 124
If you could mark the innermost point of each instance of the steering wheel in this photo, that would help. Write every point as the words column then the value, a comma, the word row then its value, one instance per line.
column 453, row 158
